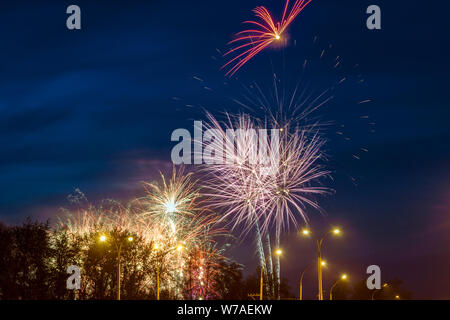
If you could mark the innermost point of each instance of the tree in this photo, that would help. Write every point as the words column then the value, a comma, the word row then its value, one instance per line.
column 24, row 261
column 230, row 283
column 394, row 288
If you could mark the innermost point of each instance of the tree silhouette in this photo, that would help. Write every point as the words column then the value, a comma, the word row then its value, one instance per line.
column 24, row 261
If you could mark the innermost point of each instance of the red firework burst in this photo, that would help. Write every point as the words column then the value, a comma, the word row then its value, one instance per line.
column 252, row 41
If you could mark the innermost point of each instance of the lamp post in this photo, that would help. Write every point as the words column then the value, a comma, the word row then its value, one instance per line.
column 118, row 246
column 301, row 278
column 378, row 290
column 278, row 252
column 319, row 242
column 343, row 277
column 156, row 247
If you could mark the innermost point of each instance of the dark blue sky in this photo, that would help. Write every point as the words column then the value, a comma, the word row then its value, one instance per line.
column 94, row 109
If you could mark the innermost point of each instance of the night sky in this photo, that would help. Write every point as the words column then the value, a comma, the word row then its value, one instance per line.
column 94, row 109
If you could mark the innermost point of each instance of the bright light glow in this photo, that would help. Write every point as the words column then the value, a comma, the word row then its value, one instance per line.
column 278, row 252
column 130, row 239
column 323, row 263
column 179, row 247
column 156, row 246
column 170, row 206
column 103, row 238
column 306, row 232
column 397, row 297
column 172, row 226
column 277, row 36
column 336, row 231
column 385, row 285
column 344, row 277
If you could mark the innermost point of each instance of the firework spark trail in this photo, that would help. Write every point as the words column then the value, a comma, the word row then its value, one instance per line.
column 296, row 180
column 233, row 186
column 176, row 206
column 269, row 266
column 239, row 182
column 257, row 198
column 202, row 268
column 176, row 196
column 248, row 191
column 294, row 109
column 169, row 215
column 250, row 42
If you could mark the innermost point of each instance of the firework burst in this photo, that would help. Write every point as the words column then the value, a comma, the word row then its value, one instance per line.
column 169, row 220
column 264, row 194
column 290, row 190
column 173, row 197
column 202, row 269
column 265, row 31
column 268, row 193
column 236, row 183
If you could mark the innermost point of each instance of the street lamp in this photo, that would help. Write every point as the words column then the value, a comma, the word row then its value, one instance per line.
column 179, row 248
column 397, row 297
column 118, row 246
column 342, row 278
column 378, row 290
column 301, row 278
column 319, row 242
column 278, row 252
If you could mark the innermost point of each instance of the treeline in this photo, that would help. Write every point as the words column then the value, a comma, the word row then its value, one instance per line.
column 34, row 258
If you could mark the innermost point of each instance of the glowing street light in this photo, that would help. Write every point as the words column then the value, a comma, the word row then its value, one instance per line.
column 319, row 242
column 103, row 238
column 397, row 297
column 179, row 248
column 378, row 290
column 300, row 297
column 342, row 278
